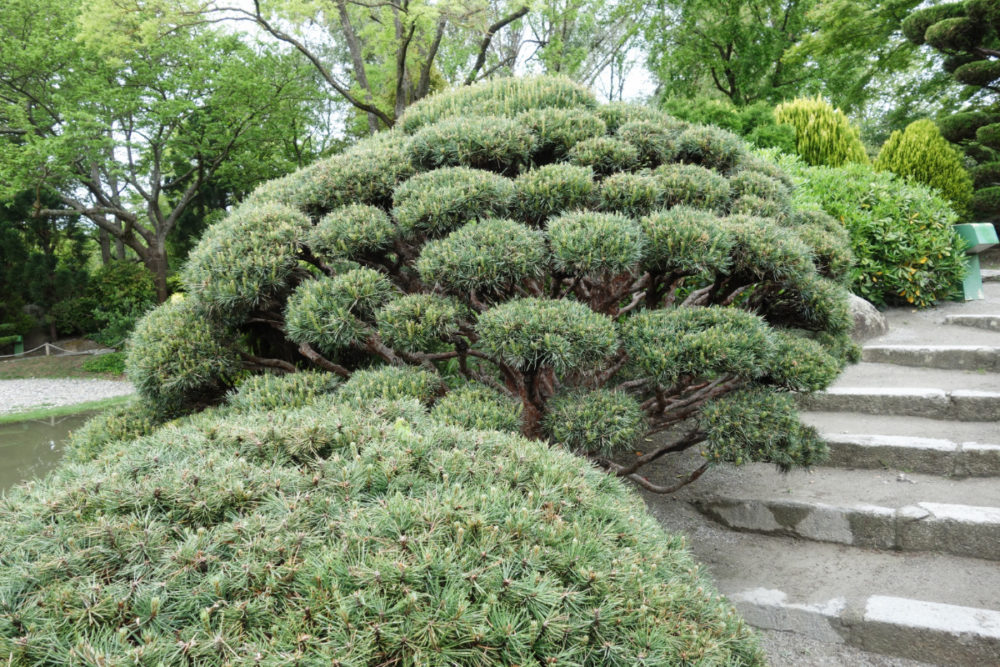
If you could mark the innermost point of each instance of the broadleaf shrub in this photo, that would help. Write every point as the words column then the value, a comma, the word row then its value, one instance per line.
column 905, row 249
column 515, row 253
column 328, row 535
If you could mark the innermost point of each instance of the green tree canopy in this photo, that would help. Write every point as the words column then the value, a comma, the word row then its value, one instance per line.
column 376, row 59
column 967, row 34
column 128, row 135
column 733, row 47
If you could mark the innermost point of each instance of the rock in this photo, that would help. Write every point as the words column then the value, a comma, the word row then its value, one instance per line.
column 868, row 322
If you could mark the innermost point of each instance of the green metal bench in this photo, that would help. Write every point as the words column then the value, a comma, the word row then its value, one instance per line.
column 979, row 236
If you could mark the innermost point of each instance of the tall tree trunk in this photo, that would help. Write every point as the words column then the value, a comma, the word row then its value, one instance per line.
column 120, row 249
column 156, row 261
column 105, row 240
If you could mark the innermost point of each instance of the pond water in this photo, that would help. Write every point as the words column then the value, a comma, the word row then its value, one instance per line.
column 31, row 448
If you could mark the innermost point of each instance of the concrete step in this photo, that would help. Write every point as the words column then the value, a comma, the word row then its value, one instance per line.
column 991, row 275
column 839, row 594
column 872, row 374
column 963, row 357
column 960, row 405
column 961, row 530
column 988, row 322
column 931, row 456
column 853, row 423
column 946, row 634
column 872, row 509
column 938, row 331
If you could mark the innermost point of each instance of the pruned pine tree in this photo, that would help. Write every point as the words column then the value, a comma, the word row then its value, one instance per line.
column 518, row 257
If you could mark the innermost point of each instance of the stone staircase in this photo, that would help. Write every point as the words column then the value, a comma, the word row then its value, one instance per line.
column 893, row 546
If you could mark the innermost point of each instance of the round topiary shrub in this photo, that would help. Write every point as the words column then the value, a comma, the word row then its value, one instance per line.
column 515, row 253
column 921, row 153
column 330, row 536
column 180, row 359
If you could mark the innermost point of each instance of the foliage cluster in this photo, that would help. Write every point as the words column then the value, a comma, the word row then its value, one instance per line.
column 823, row 135
column 111, row 301
column 754, row 122
column 112, row 362
column 488, row 251
column 325, row 535
column 901, row 232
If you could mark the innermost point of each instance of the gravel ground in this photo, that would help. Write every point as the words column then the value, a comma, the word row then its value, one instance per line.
column 22, row 395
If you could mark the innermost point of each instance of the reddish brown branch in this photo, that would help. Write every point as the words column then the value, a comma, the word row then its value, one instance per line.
column 306, row 350
column 655, row 488
column 262, row 362
column 609, row 372
column 688, row 441
column 698, row 297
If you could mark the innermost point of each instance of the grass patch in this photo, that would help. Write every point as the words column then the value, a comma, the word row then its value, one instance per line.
column 52, row 367
column 63, row 410
column 112, row 362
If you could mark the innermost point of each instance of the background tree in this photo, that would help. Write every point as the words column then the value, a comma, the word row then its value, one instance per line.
column 867, row 67
column 588, row 41
column 376, row 59
column 733, row 47
column 43, row 264
column 127, row 138
column 968, row 35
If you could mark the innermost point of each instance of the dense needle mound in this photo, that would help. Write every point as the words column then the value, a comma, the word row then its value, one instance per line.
column 327, row 535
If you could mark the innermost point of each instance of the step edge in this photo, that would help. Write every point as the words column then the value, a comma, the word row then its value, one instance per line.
column 961, row 530
column 880, row 623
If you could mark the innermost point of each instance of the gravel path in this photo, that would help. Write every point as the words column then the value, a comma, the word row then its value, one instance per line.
column 22, row 395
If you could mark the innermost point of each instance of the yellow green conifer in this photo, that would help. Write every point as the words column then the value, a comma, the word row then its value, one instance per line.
column 823, row 134
column 920, row 152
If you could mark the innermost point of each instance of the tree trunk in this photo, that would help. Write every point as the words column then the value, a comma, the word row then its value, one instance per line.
column 120, row 249
column 105, row 240
column 156, row 262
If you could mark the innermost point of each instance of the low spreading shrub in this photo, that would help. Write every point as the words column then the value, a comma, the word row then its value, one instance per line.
column 324, row 535
column 119, row 424
column 517, row 247
column 901, row 235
